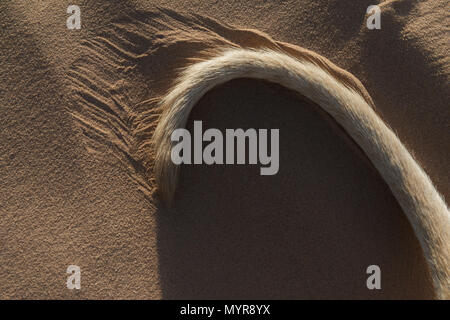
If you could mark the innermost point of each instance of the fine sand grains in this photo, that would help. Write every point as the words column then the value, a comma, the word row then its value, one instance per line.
column 78, row 109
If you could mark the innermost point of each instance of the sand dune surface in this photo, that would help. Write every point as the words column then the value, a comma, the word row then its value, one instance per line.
column 78, row 109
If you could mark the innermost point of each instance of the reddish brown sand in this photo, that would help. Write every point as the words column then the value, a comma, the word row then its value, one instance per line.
column 76, row 189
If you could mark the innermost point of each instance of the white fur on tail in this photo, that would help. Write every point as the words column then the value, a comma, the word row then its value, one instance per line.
column 425, row 208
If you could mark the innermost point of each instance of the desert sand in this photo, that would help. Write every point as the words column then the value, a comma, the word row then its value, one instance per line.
column 77, row 109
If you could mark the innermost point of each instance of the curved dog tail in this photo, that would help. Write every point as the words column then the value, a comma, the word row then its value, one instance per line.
column 424, row 207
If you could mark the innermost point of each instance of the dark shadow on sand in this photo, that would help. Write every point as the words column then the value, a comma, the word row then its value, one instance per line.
column 308, row 232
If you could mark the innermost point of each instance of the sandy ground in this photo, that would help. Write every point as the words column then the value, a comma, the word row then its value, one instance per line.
column 74, row 189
